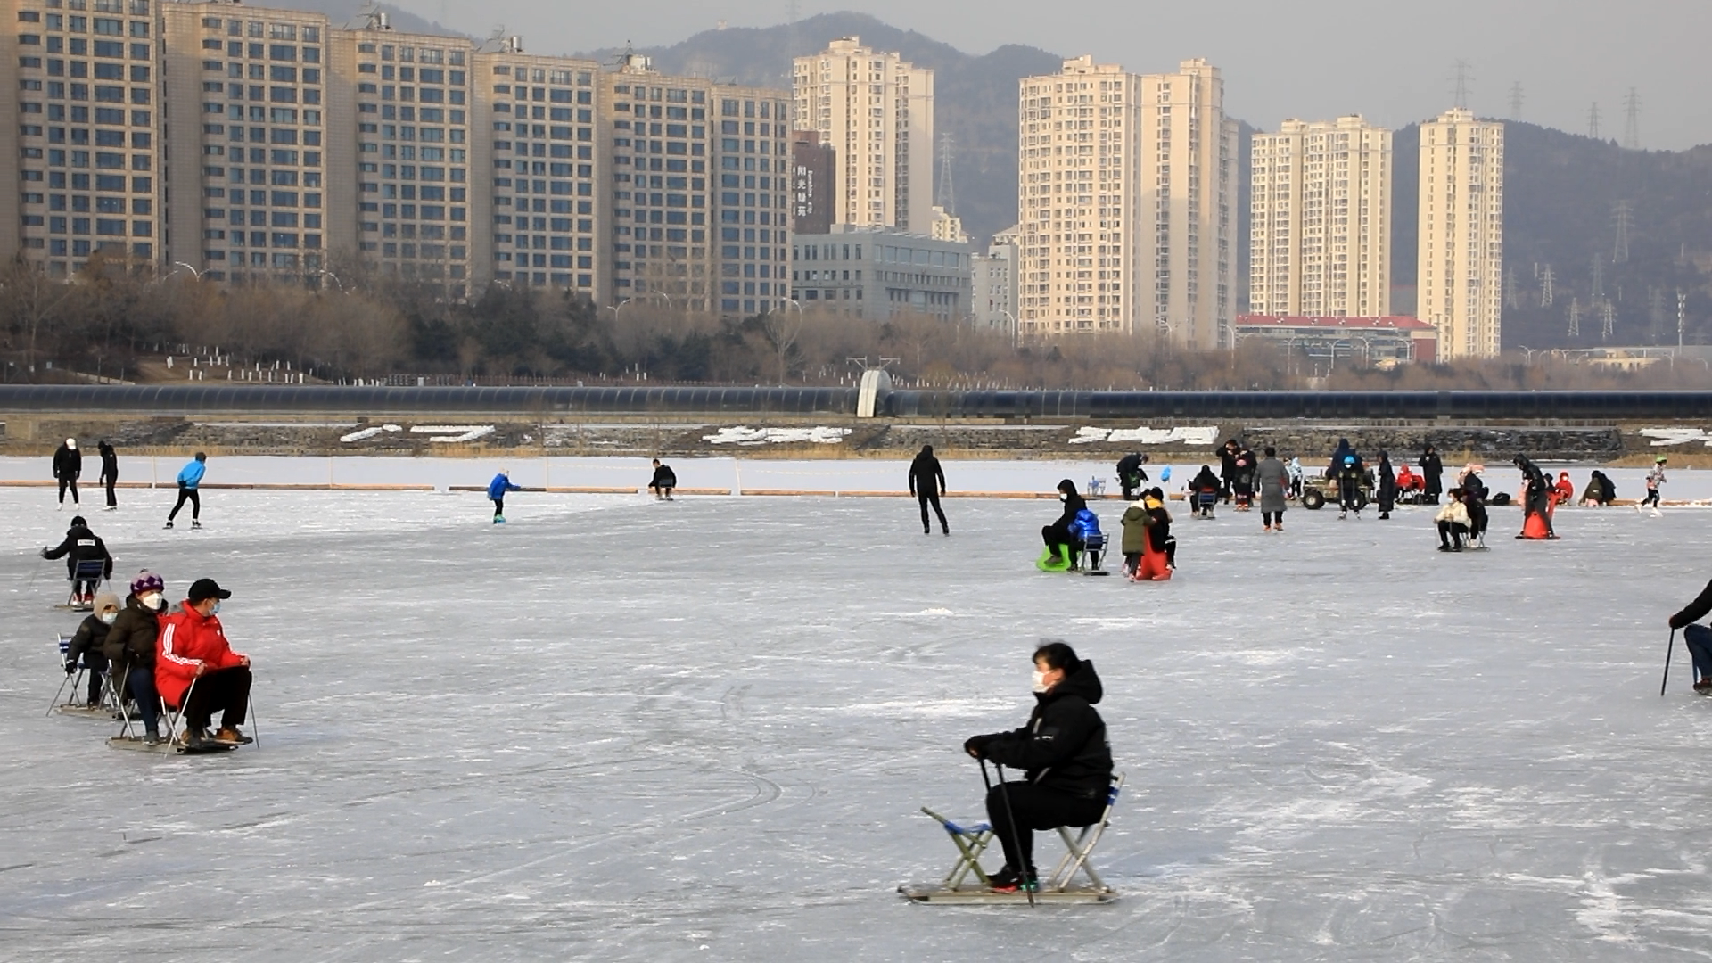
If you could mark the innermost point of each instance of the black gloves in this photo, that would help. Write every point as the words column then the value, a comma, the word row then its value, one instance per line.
column 70, row 666
column 977, row 746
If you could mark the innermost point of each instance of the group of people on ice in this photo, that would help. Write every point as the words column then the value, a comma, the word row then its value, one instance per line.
column 68, row 468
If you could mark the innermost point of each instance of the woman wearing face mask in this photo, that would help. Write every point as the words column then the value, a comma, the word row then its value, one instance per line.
column 130, row 646
column 1067, row 763
column 86, row 645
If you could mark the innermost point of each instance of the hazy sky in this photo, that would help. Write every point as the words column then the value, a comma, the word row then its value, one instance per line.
column 1312, row 59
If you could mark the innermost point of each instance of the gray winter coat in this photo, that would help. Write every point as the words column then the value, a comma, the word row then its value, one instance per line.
column 1274, row 482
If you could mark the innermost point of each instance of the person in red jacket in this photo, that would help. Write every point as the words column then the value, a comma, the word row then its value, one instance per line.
column 1564, row 490
column 194, row 656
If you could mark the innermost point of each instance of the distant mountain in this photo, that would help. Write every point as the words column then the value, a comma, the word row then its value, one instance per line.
column 974, row 97
column 346, row 11
column 1562, row 197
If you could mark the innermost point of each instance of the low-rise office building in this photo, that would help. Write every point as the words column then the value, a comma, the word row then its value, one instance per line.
column 876, row 274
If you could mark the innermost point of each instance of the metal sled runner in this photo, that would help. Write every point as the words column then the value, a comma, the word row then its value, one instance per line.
column 972, row 839
column 107, row 707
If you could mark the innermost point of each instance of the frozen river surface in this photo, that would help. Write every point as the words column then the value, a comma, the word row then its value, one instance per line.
column 621, row 730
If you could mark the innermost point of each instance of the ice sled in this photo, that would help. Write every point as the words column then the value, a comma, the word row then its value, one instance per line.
column 972, row 839
column 129, row 737
column 106, row 708
column 1152, row 567
column 1047, row 562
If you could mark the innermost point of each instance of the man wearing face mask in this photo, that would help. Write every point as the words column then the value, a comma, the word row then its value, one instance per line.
column 194, row 658
column 86, row 645
column 130, row 647
column 1059, row 533
column 1067, row 763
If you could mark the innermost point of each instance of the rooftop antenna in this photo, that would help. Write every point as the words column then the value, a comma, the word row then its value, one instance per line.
column 1593, row 122
column 947, row 199
column 1464, row 74
column 1516, row 98
column 1632, row 120
column 1623, row 215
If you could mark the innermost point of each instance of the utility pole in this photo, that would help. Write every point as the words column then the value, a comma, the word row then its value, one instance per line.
column 1681, row 317
column 1464, row 74
column 1607, row 319
column 1655, row 313
column 1512, row 296
column 1575, row 317
column 1546, row 278
column 1622, row 214
column 1593, row 122
column 1598, row 277
column 1632, row 120
column 1516, row 98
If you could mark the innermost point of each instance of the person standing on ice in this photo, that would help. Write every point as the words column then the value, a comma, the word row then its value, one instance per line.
column 1066, row 763
column 1655, row 478
column 1387, row 493
column 1274, row 480
column 1536, row 494
column 496, row 490
column 1697, row 637
column 1432, row 472
column 189, row 490
column 109, row 472
column 1345, row 470
column 67, row 466
column 926, row 481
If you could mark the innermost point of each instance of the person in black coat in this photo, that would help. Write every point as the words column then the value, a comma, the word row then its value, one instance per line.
column 1536, row 499
column 1131, row 474
column 1387, row 493
column 87, row 646
column 1698, row 638
column 926, row 481
column 109, row 471
column 67, row 466
column 1432, row 470
column 1227, row 468
column 1346, row 470
column 1066, row 762
column 664, row 480
column 1059, row 532
column 1204, row 492
column 81, row 544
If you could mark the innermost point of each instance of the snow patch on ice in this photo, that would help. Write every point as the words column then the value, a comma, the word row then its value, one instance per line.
column 367, row 433
column 742, row 435
column 1196, row 437
column 1665, row 437
column 935, row 611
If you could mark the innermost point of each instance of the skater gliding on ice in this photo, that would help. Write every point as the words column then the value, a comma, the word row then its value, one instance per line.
column 189, row 490
column 1655, row 478
column 109, row 472
column 496, row 490
column 67, row 466
column 1066, row 761
column 926, row 481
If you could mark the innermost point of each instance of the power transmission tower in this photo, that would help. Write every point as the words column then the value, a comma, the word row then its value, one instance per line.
column 1459, row 93
column 1655, row 313
column 792, row 13
column 1607, row 320
column 1575, row 317
column 1623, row 215
column 1512, row 296
column 1598, row 277
column 1546, row 278
column 1632, row 120
column 947, row 199
column 1593, row 121
column 1681, row 317
column 1516, row 98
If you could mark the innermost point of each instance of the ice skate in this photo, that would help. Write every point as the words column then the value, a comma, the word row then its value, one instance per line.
column 499, row 519
column 194, row 525
column 169, row 524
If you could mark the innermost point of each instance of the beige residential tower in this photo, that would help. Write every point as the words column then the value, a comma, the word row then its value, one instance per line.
column 1461, row 260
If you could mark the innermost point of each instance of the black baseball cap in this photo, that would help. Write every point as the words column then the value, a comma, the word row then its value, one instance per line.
column 206, row 588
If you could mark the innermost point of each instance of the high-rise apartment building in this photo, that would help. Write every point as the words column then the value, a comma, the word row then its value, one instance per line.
column 79, row 124
column 1461, row 261
column 994, row 282
column 700, row 194
column 547, row 168
column 247, row 176
column 1125, row 190
column 1320, row 230
column 876, row 111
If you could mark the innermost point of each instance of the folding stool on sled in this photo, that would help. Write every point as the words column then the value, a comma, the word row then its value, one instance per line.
column 106, row 708
column 972, row 839
column 1092, row 555
column 91, row 572
column 174, row 740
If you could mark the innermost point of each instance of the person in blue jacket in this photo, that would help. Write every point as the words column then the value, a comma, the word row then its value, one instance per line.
column 496, row 490
column 189, row 485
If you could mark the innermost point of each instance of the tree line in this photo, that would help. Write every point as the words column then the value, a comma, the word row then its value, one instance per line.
column 359, row 325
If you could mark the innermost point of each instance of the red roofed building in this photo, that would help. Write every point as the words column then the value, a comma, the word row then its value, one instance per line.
column 1371, row 339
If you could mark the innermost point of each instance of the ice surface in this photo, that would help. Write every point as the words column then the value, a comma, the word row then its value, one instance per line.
column 622, row 729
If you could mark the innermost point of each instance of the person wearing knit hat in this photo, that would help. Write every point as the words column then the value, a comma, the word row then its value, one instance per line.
column 86, row 645
column 131, row 647
column 81, row 545
column 67, row 465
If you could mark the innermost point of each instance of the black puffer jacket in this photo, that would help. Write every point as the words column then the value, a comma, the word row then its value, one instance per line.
column 130, row 642
column 1064, row 745
column 80, row 544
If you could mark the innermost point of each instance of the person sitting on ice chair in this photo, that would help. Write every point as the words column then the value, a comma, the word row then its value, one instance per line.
column 1066, row 761
column 81, row 545
column 1060, row 536
column 197, row 669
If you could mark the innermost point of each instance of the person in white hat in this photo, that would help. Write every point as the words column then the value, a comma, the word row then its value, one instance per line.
column 67, row 465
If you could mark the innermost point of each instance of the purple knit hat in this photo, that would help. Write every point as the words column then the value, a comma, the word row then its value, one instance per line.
column 147, row 581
